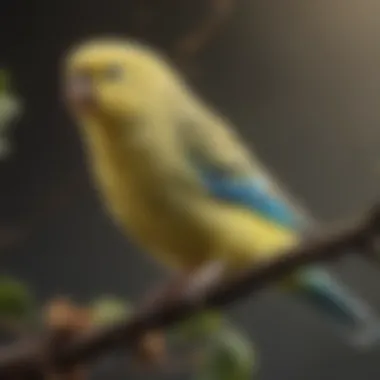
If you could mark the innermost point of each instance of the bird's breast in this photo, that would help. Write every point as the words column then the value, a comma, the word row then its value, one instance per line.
column 136, row 195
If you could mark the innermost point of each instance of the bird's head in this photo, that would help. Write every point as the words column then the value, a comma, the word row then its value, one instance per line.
column 115, row 79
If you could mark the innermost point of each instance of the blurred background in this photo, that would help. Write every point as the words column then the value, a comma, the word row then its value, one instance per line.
column 301, row 80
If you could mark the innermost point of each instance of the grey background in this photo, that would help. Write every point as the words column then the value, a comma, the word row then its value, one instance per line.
column 301, row 79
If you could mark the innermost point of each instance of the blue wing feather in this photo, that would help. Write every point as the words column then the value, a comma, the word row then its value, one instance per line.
column 253, row 193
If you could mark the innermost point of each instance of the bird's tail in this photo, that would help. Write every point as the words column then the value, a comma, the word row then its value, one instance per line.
column 330, row 297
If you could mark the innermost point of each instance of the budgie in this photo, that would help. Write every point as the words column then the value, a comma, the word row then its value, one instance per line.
column 178, row 179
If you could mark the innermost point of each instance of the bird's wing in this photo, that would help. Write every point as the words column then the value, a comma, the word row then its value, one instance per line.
column 254, row 193
column 232, row 174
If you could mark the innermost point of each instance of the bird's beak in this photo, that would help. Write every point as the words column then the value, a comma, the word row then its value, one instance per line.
column 80, row 94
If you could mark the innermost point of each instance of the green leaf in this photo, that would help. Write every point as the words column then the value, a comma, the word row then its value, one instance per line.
column 199, row 326
column 229, row 357
column 109, row 309
column 16, row 300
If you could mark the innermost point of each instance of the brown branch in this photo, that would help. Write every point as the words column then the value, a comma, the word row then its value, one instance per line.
column 14, row 327
column 200, row 36
column 23, row 360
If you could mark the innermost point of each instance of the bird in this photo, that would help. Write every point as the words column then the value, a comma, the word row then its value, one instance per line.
column 177, row 178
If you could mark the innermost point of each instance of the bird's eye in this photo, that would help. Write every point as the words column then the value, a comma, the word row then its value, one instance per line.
column 113, row 73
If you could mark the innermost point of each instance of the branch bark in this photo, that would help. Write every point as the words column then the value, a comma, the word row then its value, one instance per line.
column 200, row 36
column 26, row 360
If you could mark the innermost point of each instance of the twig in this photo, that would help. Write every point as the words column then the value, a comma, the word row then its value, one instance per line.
column 14, row 327
column 23, row 359
column 201, row 35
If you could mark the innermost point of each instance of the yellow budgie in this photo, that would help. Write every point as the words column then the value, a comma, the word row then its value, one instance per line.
column 180, row 182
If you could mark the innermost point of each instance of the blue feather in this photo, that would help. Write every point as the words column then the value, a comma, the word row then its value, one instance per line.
column 253, row 193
